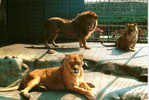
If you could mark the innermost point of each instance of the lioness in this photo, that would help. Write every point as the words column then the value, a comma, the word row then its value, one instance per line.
column 80, row 27
column 67, row 77
column 127, row 41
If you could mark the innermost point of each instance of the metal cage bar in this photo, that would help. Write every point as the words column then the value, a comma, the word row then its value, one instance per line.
column 114, row 14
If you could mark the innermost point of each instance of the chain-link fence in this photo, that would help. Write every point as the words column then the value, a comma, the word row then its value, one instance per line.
column 114, row 14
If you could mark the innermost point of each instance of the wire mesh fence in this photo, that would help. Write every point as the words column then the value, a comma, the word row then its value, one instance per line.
column 115, row 14
column 30, row 14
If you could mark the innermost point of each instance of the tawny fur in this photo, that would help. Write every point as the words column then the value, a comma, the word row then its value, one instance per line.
column 80, row 28
column 69, row 76
column 127, row 41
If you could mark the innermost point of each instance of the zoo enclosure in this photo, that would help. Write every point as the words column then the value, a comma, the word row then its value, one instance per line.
column 24, row 18
column 115, row 14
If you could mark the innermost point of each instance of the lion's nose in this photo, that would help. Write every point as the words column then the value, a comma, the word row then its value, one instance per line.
column 76, row 70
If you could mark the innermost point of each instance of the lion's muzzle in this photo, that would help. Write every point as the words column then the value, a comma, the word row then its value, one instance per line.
column 75, row 71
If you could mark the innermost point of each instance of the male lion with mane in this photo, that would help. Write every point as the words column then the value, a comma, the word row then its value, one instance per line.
column 69, row 76
column 80, row 27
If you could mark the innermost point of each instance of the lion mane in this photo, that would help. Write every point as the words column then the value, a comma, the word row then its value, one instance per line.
column 79, row 27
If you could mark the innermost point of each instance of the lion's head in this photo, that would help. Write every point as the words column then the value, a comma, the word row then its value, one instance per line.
column 73, row 63
column 131, row 27
column 87, row 20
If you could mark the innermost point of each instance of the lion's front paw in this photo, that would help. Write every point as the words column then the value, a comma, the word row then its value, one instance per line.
column 47, row 46
column 90, row 85
column 86, row 47
column 91, row 96
column 25, row 94
column 55, row 45
column 132, row 50
column 81, row 46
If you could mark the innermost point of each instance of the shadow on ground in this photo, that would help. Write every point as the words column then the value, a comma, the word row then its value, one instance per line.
column 116, row 51
column 6, row 98
column 54, row 95
column 57, row 95
column 62, row 50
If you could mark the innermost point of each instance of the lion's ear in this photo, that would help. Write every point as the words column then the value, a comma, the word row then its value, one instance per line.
column 135, row 24
column 96, row 16
column 65, row 58
column 81, row 56
column 67, row 55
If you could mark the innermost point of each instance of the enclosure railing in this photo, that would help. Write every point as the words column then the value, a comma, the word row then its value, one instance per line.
column 110, row 33
column 115, row 14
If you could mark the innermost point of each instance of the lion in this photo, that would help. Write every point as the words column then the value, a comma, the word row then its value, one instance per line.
column 80, row 28
column 119, row 69
column 127, row 41
column 69, row 76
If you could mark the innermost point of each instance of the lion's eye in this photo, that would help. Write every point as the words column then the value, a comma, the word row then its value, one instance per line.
column 71, row 63
column 78, row 63
column 75, row 63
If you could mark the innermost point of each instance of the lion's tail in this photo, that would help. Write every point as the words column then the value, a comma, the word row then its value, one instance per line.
column 3, row 89
column 14, row 86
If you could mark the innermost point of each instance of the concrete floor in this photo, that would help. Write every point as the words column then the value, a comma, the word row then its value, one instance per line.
column 107, row 88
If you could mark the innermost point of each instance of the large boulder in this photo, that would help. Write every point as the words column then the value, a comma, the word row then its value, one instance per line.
column 11, row 69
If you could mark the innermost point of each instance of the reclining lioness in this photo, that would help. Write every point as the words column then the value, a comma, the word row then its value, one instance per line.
column 69, row 76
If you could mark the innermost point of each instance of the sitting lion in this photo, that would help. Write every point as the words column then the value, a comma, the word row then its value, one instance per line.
column 80, row 27
column 69, row 76
column 127, row 41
